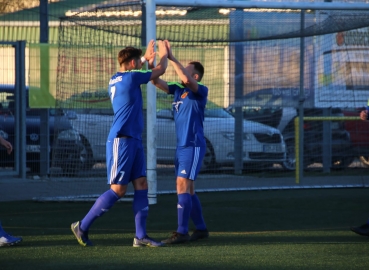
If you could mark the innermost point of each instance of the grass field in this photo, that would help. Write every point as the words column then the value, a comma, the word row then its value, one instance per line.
column 286, row 229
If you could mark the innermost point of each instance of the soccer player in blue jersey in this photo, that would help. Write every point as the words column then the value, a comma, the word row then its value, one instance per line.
column 125, row 159
column 190, row 97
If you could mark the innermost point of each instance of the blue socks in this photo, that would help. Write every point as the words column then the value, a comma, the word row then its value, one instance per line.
column 140, row 210
column 102, row 205
column 184, row 209
column 196, row 213
column 108, row 199
column 189, row 206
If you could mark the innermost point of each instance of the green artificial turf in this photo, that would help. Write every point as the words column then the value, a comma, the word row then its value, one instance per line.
column 285, row 229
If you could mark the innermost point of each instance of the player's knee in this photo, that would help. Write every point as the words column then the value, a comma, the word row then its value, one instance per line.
column 140, row 183
column 119, row 190
column 142, row 186
column 183, row 185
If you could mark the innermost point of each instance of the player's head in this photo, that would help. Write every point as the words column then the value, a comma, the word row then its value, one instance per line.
column 196, row 69
column 130, row 58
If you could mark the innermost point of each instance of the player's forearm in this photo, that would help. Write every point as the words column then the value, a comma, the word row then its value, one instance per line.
column 161, row 84
column 155, row 82
column 160, row 70
column 163, row 64
column 182, row 72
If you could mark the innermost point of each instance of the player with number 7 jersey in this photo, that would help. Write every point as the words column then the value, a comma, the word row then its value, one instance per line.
column 125, row 160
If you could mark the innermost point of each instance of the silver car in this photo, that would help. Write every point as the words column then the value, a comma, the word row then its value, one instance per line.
column 262, row 145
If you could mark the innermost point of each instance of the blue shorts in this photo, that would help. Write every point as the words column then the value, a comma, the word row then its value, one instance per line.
column 188, row 161
column 125, row 160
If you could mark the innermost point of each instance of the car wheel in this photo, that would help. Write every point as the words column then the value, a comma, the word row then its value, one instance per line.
column 364, row 160
column 86, row 155
column 290, row 162
column 209, row 159
column 83, row 162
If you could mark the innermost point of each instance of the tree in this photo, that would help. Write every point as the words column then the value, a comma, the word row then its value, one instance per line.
column 8, row 6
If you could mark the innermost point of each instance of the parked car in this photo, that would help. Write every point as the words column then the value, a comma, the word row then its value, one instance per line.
column 279, row 109
column 359, row 133
column 262, row 145
column 65, row 145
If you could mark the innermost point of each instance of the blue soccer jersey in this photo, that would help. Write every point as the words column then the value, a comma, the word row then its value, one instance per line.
column 126, row 98
column 189, row 108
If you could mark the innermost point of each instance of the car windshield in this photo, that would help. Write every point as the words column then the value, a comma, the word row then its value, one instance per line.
column 213, row 110
column 218, row 113
column 274, row 98
column 266, row 100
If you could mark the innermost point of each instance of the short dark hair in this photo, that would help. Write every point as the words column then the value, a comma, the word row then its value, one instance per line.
column 199, row 68
column 127, row 54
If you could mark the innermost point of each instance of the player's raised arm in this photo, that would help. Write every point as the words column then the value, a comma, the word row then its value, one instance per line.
column 188, row 80
column 159, row 83
column 150, row 52
column 162, row 66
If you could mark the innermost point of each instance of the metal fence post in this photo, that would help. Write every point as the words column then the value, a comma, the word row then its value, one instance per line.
column 20, row 106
